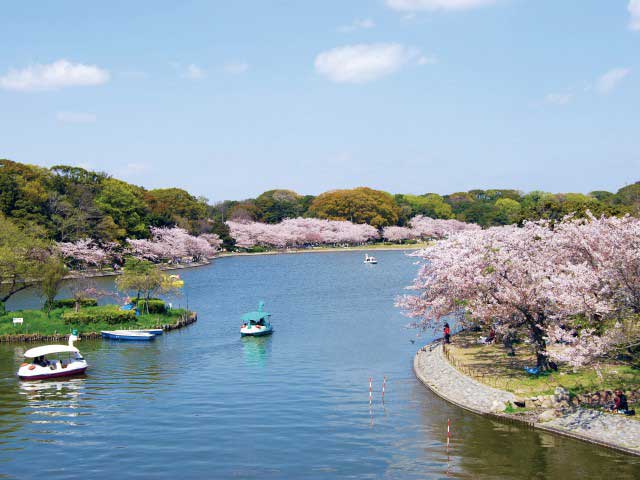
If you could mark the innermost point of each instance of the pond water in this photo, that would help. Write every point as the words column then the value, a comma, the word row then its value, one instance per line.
column 202, row 402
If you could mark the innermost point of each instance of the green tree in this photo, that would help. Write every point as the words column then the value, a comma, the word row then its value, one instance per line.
column 360, row 205
column 141, row 277
column 629, row 197
column 507, row 211
column 145, row 279
column 430, row 205
column 21, row 258
column 276, row 205
column 124, row 203
column 53, row 273
column 174, row 206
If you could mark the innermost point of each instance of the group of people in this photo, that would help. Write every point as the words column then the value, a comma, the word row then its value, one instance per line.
column 620, row 404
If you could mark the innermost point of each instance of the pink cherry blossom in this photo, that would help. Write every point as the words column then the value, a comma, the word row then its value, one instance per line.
column 300, row 232
column 173, row 244
column 86, row 252
column 536, row 278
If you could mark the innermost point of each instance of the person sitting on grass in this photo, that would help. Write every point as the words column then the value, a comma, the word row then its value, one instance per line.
column 620, row 402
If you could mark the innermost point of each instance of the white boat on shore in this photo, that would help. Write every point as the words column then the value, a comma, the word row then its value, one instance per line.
column 128, row 335
column 42, row 367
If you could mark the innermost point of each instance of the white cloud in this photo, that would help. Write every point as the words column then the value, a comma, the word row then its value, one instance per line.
column 53, row 76
column 634, row 11
column 558, row 98
column 357, row 24
column 76, row 117
column 193, row 72
column 236, row 68
column 610, row 80
column 364, row 62
column 432, row 5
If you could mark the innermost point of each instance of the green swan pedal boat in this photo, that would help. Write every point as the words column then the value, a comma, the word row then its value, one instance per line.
column 256, row 323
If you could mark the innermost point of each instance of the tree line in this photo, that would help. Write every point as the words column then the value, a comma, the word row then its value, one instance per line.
column 66, row 204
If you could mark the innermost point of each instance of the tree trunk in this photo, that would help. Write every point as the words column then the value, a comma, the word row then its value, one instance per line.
column 13, row 290
column 537, row 335
column 508, row 341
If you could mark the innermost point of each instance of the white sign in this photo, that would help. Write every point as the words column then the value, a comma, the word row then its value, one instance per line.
column 17, row 321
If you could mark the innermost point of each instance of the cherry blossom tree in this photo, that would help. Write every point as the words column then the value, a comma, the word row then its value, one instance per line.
column 85, row 252
column 437, row 228
column 300, row 232
column 509, row 277
column 173, row 244
column 398, row 234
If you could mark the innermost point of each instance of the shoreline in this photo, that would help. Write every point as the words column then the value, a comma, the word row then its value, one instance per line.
column 36, row 337
column 435, row 372
column 293, row 251
column 80, row 274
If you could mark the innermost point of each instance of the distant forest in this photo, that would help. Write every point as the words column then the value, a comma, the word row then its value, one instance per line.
column 66, row 203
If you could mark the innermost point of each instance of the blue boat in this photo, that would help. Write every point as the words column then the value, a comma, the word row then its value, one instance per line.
column 128, row 335
column 256, row 323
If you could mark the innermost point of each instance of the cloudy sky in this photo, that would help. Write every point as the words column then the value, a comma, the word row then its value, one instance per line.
column 229, row 99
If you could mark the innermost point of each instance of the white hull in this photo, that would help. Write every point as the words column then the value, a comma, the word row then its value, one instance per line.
column 55, row 369
column 256, row 330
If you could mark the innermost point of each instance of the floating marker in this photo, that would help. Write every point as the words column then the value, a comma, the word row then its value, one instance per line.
column 370, row 391
column 448, row 432
column 384, row 384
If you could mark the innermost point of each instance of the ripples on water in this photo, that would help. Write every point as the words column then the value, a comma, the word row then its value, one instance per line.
column 204, row 403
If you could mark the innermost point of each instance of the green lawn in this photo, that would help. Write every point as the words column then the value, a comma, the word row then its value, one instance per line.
column 36, row 322
column 490, row 364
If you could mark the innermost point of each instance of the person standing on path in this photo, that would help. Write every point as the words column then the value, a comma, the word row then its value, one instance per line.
column 447, row 333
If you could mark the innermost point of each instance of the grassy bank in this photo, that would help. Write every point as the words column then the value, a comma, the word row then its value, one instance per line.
column 37, row 322
column 490, row 364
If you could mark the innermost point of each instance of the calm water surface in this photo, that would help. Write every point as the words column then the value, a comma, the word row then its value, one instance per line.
column 204, row 403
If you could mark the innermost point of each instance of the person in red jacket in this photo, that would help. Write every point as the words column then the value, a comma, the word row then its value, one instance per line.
column 447, row 333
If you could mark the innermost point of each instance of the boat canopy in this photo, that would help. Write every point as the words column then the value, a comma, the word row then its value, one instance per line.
column 256, row 315
column 49, row 349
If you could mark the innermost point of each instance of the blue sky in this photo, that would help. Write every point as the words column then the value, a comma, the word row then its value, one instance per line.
column 228, row 99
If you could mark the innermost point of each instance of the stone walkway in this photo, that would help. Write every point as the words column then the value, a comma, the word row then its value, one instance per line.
column 434, row 371
column 437, row 373
column 601, row 427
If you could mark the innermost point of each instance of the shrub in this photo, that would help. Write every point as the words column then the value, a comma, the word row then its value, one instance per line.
column 155, row 306
column 111, row 315
column 71, row 303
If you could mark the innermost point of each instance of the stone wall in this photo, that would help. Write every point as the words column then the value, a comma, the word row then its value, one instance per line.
column 562, row 399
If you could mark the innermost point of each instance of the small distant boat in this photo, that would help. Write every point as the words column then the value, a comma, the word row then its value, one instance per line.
column 128, row 335
column 256, row 323
column 175, row 281
column 43, row 368
column 371, row 260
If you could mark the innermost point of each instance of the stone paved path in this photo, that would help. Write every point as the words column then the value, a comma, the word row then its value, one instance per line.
column 601, row 426
column 433, row 369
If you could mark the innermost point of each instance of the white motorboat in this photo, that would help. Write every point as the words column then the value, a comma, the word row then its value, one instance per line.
column 42, row 367
column 370, row 260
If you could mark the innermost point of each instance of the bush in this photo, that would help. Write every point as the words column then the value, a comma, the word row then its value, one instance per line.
column 155, row 306
column 111, row 315
column 71, row 303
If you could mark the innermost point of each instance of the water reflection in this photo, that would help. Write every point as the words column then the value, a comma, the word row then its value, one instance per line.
column 256, row 350
column 198, row 395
